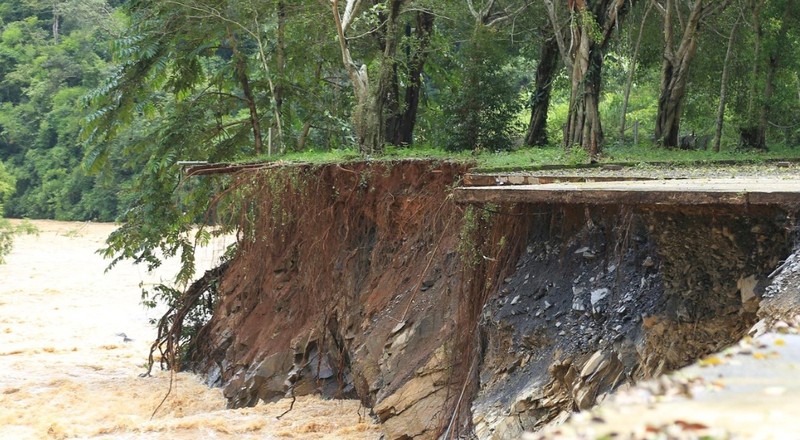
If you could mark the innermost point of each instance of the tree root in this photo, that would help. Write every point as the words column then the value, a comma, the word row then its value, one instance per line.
column 170, row 326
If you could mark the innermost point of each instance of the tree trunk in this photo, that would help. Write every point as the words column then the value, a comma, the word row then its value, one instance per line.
column 593, row 24
column 392, row 106
column 583, row 122
column 408, row 119
column 540, row 101
column 758, row 32
column 56, row 20
column 675, row 71
column 675, row 75
column 370, row 113
column 393, row 109
column 754, row 136
column 775, row 56
column 301, row 139
column 280, row 59
column 241, row 74
column 629, row 81
column 769, row 91
column 723, row 88
column 378, row 106
column 240, row 70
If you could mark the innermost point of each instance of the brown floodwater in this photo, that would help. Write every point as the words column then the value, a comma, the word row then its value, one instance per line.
column 65, row 372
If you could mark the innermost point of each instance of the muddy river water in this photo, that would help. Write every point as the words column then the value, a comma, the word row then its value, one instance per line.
column 65, row 371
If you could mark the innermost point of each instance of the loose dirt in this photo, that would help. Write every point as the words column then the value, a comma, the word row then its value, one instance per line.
column 65, row 371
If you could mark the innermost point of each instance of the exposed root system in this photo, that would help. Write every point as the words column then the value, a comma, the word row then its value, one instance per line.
column 171, row 336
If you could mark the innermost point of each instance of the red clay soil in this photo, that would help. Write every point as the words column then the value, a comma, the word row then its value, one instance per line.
column 339, row 267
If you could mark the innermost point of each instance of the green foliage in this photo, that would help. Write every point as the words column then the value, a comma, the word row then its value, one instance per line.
column 6, row 186
column 177, row 95
column 642, row 104
column 93, row 122
column 163, row 214
column 6, row 230
column 6, row 239
column 588, row 22
column 576, row 156
column 26, row 227
column 40, row 115
column 483, row 102
column 468, row 250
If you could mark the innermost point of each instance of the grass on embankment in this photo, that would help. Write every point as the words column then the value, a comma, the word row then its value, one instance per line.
column 533, row 158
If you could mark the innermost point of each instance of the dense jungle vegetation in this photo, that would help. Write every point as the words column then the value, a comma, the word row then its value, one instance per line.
column 100, row 100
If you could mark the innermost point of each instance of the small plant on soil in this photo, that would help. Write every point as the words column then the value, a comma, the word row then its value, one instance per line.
column 467, row 248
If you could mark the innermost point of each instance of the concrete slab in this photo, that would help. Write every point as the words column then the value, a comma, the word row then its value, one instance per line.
column 748, row 391
column 706, row 191
column 527, row 179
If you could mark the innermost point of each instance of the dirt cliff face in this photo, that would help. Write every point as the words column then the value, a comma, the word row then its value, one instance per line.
column 365, row 280
column 345, row 284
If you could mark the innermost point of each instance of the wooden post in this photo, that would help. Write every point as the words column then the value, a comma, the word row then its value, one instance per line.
column 636, row 132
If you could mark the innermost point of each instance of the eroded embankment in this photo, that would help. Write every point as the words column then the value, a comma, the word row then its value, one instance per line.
column 608, row 295
column 366, row 280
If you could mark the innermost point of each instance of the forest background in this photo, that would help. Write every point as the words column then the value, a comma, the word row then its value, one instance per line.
column 101, row 100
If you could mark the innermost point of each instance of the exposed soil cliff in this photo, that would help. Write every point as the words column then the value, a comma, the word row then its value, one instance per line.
column 346, row 283
column 367, row 280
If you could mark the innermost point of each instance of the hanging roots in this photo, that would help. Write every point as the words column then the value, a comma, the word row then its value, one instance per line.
column 171, row 325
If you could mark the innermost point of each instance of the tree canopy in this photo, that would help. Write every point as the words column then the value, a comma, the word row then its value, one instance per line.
column 100, row 100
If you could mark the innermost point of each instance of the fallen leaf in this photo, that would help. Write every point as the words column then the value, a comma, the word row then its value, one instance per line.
column 780, row 342
column 759, row 356
column 711, row 362
column 688, row 426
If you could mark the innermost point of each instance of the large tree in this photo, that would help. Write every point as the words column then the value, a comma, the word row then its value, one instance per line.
column 481, row 97
column 540, row 99
column 678, row 56
column 593, row 23
column 372, row 107
column 778, row 39
column 404, row 101
column 194, row 83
